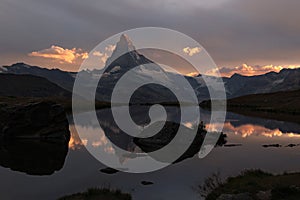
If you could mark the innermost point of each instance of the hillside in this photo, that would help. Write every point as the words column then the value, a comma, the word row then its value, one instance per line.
column 283, row 106
column 285, row 80
column 29, row 86
column 63, row 79
column 285, row 102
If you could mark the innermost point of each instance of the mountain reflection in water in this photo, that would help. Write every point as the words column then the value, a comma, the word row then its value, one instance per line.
column 33, row 157
column 81, row 171
column 237, row 126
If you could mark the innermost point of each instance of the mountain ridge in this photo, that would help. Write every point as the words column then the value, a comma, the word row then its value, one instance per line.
column 119, row 63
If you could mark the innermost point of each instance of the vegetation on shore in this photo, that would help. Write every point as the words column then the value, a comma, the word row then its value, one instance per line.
column 283, row 102
column 253, row 183
column 282, row 105
column 98, row 194
column 65, row 102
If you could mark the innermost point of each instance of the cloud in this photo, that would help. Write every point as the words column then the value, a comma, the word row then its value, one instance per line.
column 191, row 51
column 248, row 130
column 61, row 54
column 249, row 70
column 104, row 55
column 192, row 74
column 110, row 48
column 257, row 31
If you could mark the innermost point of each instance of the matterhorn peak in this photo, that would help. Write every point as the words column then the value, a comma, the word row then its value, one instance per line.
column 124, row 39
column 123, row 46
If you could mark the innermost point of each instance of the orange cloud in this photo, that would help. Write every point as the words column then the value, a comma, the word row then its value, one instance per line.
column 249, row 70
column 110, row 48
column 103, row 56
column 75, row 141
column 191, row 51
column 248, row 130
column 61, row 54
column 193, row 74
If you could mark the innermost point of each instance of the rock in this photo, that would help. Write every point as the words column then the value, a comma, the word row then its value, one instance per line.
column 109, row 170
column 232, row 145
column 165, row 136
column 292, row 145
column 264, row 195
column 33, row 157
column 241, row 196
column 222, row 140
column 41, row 120
column 147, row 183
column 271, row 145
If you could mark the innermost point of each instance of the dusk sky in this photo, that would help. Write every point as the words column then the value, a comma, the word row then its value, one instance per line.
column 242, row 36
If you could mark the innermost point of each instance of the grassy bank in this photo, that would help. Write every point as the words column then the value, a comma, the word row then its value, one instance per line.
column 98, row 194
column 283, row 106
column 254, row 183
column 65, row 102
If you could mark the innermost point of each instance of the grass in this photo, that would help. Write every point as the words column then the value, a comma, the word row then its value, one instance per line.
column 283, row 106
column 283, row 186
column 65, row 102
column 98, row 194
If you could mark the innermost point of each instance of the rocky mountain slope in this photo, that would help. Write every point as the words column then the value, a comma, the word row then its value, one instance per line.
column 236, row 85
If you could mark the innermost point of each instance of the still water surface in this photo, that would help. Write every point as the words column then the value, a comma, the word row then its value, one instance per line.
column 80, row 170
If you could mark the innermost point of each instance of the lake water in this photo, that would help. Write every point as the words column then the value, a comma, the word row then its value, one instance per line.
column 80, row 170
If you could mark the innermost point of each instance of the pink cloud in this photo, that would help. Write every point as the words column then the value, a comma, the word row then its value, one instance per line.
column 249, row 70
column 60, row 54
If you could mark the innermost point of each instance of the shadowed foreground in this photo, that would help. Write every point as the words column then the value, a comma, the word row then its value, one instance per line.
column 252, row 185
column 98, row 194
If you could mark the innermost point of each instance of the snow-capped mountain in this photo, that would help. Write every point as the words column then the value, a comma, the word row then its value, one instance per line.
column 126, row 58
column 119, row 64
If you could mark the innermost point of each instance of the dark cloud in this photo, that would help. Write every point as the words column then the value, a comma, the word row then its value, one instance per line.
column 233, row 31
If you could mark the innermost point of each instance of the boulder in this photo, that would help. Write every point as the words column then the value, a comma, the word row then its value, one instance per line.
column 33, row 157
column 147, row 183
column 165, row 136
column 109, row 170
column 40, row 120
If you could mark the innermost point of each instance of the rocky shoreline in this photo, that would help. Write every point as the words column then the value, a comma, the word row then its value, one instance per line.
column 38, row 120
column 34, row 137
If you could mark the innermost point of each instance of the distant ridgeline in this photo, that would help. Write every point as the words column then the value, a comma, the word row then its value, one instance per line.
column 236, row 85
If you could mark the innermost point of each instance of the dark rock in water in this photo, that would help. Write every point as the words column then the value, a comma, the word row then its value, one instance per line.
column 33, row 157
column 147, row 183
column 41, row 120
column 271, row 145
column 222, row 140
column 165, row 136
column 109, row 170
column 232, row 145
column 292, row 145
column 34, row 137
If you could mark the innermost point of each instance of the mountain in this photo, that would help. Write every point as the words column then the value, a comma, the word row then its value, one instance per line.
column 62, row 78
column 118, row 64
column 125, row 58
column 127, row 61
column 18, row 85
column 239, row 85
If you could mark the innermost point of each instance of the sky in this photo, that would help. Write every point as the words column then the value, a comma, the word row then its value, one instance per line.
column 242, row 36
